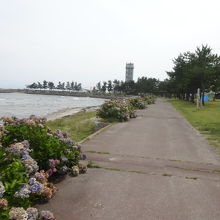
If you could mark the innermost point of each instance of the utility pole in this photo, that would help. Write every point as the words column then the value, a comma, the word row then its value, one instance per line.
column 198, row 98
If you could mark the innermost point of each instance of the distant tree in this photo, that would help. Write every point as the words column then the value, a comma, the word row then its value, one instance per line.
column 98, row 86
column 32, row 86
column 68, row 87
column 94, row 90
column 147, row 85
column 45, row 84
column 128, row 87
column 72, row 85
column 63, row 86
column 116, row 85
column 51, row 85
column 110, row 86
column 39, row 85
column 59, row 86
column 78, row 86
column 104, row 87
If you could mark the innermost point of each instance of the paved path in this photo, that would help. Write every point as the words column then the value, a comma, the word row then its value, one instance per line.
column 154, row 167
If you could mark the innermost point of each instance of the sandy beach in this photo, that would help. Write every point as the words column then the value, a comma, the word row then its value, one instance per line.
column 68, row 112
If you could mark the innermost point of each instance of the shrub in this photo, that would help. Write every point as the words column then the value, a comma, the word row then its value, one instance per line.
column 117, row 110
column 150, row 99
column 31, row 154
column 45, row 145
column 137, row 103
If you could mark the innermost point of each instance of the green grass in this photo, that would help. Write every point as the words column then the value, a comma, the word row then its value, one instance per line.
column 78, row 126
column 205, row 119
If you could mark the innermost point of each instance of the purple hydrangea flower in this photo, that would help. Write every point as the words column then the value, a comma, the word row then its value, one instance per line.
column 64, row 159
column 32, row 180
column 25, row 156
column 32, row 213
column 47, row 215
column 67, row 151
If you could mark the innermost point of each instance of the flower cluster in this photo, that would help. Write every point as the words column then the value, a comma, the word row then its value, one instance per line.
column 20, row 213
column 30, row 154
column 137, row 103
column 32, row 120
column 47, row 215
column 22, row 150
column 2, row 189
column 116, row 109
column 37, row 183
column 149, row 99
column 32, row 213
column 3, row 204
column 62, row 136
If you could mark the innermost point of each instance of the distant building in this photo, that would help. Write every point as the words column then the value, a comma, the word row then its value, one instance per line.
column 129, row 72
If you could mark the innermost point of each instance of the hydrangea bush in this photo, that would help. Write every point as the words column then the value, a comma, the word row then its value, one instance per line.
column 115, row 109
column 149, row 99
column 30, row 154
column 122, row 110
column 137, row 103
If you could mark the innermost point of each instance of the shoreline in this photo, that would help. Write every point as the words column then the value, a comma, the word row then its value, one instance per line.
column 62, row 93
column 67, row 112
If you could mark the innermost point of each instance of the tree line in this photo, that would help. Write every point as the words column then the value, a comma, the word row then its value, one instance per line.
column 193, row 70
column 51, row 85
column 143, row 85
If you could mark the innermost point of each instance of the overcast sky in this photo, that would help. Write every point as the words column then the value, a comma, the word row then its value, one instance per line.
column 91, row 40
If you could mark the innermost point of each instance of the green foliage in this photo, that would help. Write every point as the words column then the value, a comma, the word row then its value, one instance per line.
column 193, row 70
column 150, row 99
column 116, row 109
column 27, row 145
column 137, row 103
column 44, row 145
column 143, row 85
column 13, row 175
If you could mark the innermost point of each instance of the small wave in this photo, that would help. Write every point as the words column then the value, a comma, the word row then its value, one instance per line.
column 2, row 99
column 76, row 98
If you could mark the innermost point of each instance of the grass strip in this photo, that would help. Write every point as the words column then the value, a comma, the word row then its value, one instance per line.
column 78, row 126
column 205, row 119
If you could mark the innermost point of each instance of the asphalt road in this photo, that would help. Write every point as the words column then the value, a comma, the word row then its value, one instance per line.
column 153, row 167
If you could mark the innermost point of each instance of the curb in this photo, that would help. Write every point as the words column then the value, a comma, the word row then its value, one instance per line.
column 94, row 134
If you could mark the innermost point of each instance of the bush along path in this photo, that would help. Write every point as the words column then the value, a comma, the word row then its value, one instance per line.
column 123, row 110
column 31, row 155
column 155, row 166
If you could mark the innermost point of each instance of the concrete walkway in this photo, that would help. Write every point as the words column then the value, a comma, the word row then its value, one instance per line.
column 154, row 167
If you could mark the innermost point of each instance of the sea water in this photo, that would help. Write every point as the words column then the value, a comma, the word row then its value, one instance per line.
column 23, row 105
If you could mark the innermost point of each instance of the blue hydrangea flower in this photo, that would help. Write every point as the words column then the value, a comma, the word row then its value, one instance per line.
column 36, row 187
